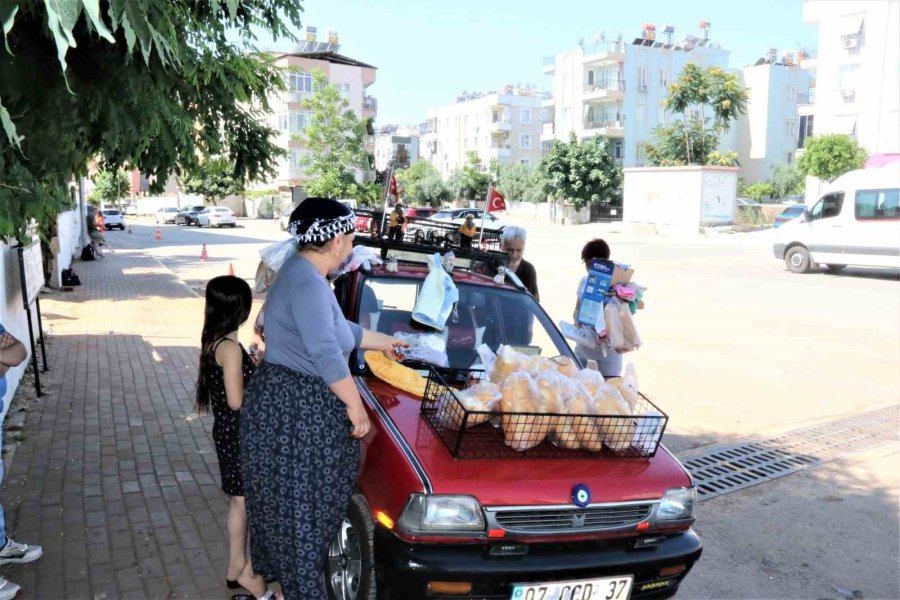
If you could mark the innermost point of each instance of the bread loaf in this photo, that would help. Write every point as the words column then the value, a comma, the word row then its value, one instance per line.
column 521, row 395
column 482, row 398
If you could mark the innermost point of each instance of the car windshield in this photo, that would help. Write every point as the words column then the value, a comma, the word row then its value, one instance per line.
column 171, row 209
column 793, row 211
column 223, row 210
column 110, row 212
column 197, row 208
column 442, row 214
column 489, row 315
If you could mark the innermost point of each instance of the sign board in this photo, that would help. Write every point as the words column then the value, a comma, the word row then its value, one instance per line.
column 32, row 271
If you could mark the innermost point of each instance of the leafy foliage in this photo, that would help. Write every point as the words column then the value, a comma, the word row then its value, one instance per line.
column 335, row 142
column 470, row 182
column 148, row 84
column 519, row 182
column 758, row 191
column 786, row 180
column 830, row 156
column 109, row 186
column 421, row 185
column 213, row 179
column 694, row 138
column 580, row 172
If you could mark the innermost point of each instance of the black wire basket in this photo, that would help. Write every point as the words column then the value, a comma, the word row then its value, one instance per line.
column 494, row 434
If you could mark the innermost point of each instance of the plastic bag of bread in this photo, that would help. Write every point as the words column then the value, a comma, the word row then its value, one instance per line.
column 590, row 379
column 566, row 366
column 583, row 422
column 521, row 395
column 564, row 434
column 617, row 433
column 615, row 330
column 482, row 398
column 632, row 339
column 507, row 362
column 627, row 385
column 549, row 385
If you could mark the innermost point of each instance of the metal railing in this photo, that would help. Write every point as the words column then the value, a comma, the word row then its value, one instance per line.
column 605, row 121
column 370, row 103
column 610, row 85
column 604, row 47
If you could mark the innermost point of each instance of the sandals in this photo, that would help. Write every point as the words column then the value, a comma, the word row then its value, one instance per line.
column 269, row 595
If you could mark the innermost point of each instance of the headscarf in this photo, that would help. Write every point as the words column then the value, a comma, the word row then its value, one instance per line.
column 318, row 220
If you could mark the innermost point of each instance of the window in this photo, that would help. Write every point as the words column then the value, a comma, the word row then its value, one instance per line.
column 806, row 130
column 877, row 205
column 525, row 141
column 664, row 78
column 293, row 122
column 790, row 127
column 344, row 89
column 295, row 159
column 828, row 207
column 642, row 113
column 642, row 79
column 525, row 161
column 300, row 82
column 792, row 95
column 617, row 150
column 525, row 116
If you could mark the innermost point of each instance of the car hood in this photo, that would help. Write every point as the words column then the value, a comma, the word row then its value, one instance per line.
column 526, row 481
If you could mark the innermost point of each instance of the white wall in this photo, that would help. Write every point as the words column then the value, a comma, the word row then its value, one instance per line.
column 685, row 197
column 66, row 245
column 874, row 108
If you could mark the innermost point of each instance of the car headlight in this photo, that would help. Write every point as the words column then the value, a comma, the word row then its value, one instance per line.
column 677, row 504
column 429, row 514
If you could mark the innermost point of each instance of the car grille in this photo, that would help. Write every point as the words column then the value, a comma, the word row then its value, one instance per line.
column 572, row 520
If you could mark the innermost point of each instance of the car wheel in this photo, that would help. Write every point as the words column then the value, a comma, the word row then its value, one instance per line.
column 798, row 260
column 835, row 268
column 349, row 569
column 233, row 225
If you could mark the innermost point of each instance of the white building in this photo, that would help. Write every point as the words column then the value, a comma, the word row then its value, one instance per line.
column 397, row 144
column 615, row 89
column 769, row 132
column 503, row 125
column 856, row 72
column 288, row 115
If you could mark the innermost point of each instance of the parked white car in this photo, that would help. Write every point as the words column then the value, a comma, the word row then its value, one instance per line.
column 855, row 222
column 131, row 209
column 457, row 216
column 166, row 214
column 216, row 216
column 112, row 218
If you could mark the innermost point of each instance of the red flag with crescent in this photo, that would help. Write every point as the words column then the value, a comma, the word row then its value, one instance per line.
column 392, row 187
column 496, row 202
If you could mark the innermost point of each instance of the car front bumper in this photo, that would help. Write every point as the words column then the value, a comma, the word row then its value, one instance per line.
column 404, row 569
column 778, row 249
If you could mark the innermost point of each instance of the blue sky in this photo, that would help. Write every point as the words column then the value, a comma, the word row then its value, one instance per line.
column 427, row 52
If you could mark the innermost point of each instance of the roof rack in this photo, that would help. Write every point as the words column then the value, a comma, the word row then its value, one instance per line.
column 484, row 262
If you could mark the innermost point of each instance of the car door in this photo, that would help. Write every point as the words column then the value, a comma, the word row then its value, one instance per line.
column 827, row 232
column 873, row 228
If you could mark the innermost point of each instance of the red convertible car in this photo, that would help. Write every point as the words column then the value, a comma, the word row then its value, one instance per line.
column 424, row 524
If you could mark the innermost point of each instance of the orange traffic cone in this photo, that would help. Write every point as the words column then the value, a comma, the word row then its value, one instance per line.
column 231, row 269
column 203, row 254
column 158, row 234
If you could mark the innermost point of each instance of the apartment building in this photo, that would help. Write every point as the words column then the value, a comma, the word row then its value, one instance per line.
column 769, row 132
column 855, row 80
column 399, row 145
column 615, row 89
column 503, row 125
column 352, row 77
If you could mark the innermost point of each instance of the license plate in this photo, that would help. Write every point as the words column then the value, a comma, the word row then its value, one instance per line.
column 608, row 588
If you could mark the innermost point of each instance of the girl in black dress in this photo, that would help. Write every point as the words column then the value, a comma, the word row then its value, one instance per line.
column 225, row 368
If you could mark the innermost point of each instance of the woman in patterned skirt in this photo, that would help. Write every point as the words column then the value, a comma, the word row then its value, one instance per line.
column 303, row 417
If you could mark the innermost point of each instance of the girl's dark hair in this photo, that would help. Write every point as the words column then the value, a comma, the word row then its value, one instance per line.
column 595, row 248
column 228, row 303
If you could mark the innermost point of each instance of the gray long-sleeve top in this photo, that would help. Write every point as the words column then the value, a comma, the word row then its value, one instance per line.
column 305, row 329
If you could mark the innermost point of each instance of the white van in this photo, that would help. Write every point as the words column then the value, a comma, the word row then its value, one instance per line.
column 856, row 221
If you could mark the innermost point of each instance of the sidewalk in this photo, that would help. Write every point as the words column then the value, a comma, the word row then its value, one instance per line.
column 116, row 476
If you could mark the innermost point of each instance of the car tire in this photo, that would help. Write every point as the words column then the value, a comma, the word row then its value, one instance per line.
column 233, row 225
column 835, row 268
column 356, row 538
column 798, row 260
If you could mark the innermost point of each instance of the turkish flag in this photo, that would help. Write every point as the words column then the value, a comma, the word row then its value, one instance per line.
column 496, row 202
column 392, row 187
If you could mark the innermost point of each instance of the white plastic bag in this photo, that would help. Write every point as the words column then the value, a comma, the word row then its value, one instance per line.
column 424, row 347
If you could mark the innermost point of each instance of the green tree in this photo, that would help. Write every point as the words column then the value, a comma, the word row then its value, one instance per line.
column 213, row 179
column 110, row 185
column 470, row 182
column 582, row 173
column 519, row 182
column 421, row 185
column 334, row 141
column 786, row 180
column 758, row 191
column 148, row 84
column 830, row 156
column 708, row 101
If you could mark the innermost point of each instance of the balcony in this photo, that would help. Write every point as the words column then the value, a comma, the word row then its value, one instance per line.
column 604, row 52
column 549, row 65
column 548, row 131
column 499, row 151
column 370, row 106
column 499, row 126
column 605, row 125
column 604, row 91
column 548, row 102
